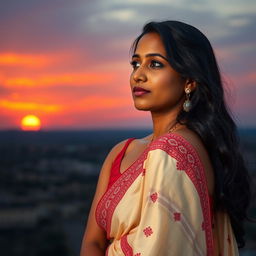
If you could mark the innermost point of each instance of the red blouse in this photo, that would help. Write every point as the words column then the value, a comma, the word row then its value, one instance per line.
column 115, row 169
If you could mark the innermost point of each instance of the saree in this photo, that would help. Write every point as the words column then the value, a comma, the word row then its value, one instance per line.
column 160, row 206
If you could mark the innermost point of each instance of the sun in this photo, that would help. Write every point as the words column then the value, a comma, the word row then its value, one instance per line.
column 30, row 123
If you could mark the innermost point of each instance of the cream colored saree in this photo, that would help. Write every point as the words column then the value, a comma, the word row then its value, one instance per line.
column 160, row 206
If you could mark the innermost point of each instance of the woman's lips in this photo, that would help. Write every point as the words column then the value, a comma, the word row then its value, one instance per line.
column 139, row 91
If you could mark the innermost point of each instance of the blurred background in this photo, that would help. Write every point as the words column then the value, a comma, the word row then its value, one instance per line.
column 65, row 102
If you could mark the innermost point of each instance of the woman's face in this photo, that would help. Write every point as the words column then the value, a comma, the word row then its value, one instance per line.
column 152, row 72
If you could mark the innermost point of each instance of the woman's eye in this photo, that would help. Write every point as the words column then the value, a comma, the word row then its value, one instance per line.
column 156, row 64
column 134, row 64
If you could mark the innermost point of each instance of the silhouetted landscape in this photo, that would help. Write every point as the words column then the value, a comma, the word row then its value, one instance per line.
column 48, row 180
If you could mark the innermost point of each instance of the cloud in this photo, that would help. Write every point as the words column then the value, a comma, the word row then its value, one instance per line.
column 28, row 26
column 239, row 22
column 220, row 7
column 97, row 102
column 74, row 79
column 226, row 8
column 29, row 106
column 122, row 15
column 246, row 82
column 110, row 3
column 30, row 60
column 12, row 59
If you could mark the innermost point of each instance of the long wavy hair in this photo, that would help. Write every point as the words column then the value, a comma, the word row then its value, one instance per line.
column 190, row 53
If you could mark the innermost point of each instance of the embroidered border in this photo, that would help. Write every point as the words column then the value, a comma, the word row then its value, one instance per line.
column 188, row 160
column 126, row 248
column 108, row 202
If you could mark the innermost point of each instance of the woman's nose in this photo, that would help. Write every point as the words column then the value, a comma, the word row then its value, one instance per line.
column 139, row 75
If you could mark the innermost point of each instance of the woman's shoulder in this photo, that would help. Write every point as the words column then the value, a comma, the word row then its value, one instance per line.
column 107, row 164
column 182, row 141
column 116, row 149
column 192, row 142
column 134, row 143
column 185, row 137
column 189, row 137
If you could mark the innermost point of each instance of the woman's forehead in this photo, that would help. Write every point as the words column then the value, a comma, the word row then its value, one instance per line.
column 150, row 43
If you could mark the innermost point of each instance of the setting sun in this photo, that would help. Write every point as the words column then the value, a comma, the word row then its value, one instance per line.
column 30, row 123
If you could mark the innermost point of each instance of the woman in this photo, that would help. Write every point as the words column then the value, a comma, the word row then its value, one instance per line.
column 184, row 189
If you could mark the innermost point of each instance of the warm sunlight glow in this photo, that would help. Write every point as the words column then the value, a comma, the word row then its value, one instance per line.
column 14, row 105
column 28, row 60
column 30, row 123
column 48, row 80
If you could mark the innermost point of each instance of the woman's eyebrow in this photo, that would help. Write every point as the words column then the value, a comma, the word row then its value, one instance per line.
column 150, row 55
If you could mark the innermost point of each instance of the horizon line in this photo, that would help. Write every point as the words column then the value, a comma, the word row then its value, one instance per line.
column 98, row 129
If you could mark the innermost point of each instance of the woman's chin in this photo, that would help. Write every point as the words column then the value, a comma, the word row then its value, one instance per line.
column 142, row 107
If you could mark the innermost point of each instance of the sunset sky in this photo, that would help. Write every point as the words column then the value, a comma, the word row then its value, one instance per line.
column 67, row 61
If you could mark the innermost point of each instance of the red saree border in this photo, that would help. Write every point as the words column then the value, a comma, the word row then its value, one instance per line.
column 113, row 195
column 189, row 161
column 126, row 248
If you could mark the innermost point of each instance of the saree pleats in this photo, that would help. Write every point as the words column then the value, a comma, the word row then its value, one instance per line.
column 160, row 206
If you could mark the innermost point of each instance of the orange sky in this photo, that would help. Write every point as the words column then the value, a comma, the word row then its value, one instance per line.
column 60, row 63
column 64, row 99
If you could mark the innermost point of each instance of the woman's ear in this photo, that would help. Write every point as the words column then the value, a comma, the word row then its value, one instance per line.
column 190, row 84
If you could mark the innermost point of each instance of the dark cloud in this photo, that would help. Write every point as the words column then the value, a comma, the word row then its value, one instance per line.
column 41, row 25
column 239, row 35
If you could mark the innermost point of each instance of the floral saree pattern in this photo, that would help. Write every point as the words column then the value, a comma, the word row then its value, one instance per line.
column 160, row 206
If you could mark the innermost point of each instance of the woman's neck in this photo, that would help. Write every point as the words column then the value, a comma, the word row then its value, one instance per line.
column 163, row 122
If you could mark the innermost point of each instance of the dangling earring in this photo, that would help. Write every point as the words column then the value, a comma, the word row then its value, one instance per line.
column 187, row 104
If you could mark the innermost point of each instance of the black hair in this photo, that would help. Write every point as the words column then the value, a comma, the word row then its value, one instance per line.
column 190, row 53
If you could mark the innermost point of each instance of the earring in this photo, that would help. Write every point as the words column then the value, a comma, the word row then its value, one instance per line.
column 187, row 104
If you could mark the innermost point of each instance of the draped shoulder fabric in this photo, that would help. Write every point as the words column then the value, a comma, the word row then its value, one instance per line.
column 160, row 206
